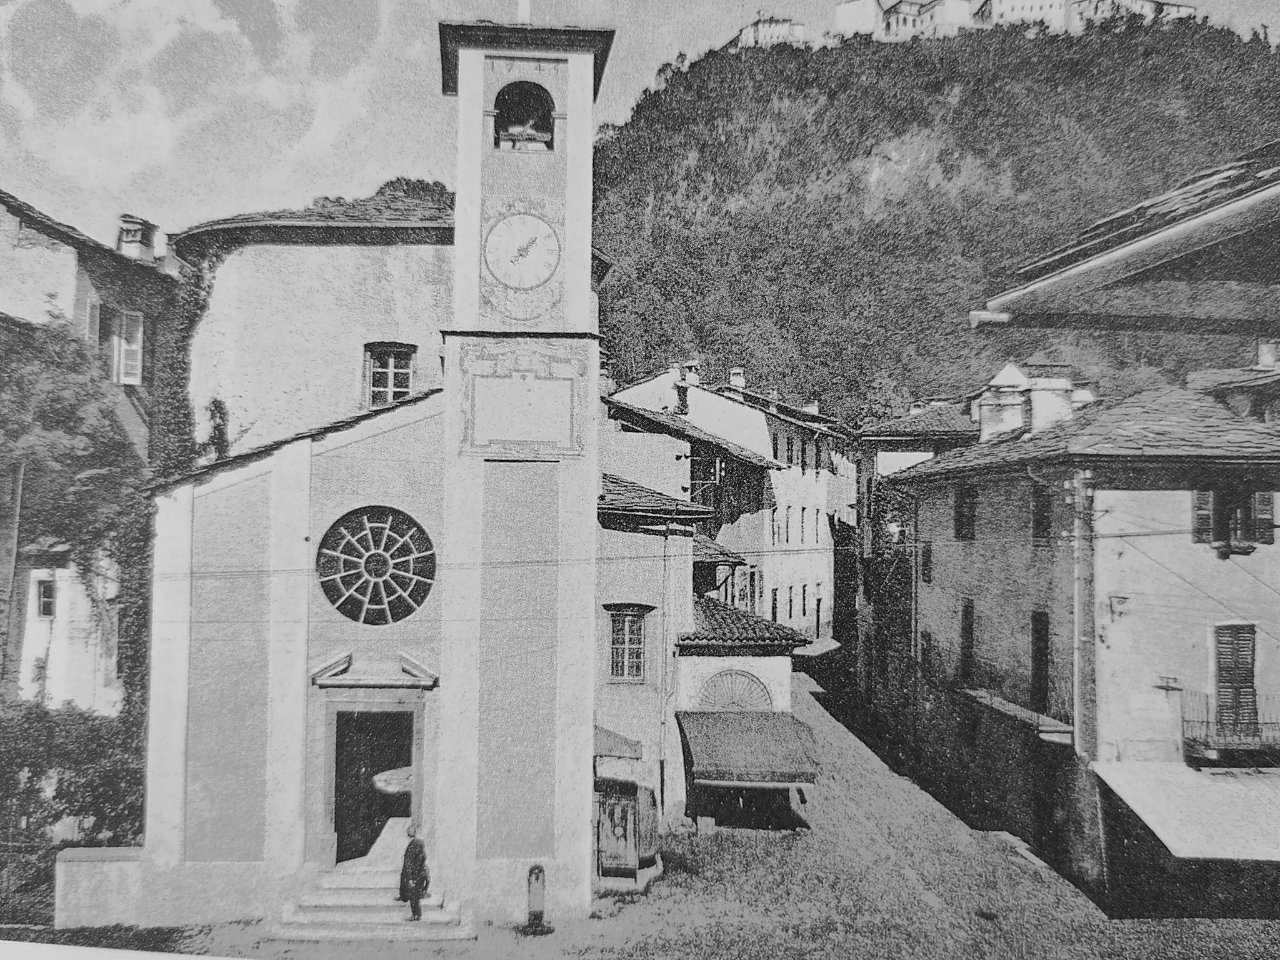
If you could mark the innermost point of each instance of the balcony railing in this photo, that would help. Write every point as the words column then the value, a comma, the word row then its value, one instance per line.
column 1204, row 728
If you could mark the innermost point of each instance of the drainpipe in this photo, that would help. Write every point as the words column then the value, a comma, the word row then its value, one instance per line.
column 1082, row 639
column 668, row 650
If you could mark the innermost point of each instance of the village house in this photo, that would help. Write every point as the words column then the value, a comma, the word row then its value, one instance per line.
column 428, row 575
column 790, row 522
column 1171, row 524
column 1091, row 625
column 58, row 626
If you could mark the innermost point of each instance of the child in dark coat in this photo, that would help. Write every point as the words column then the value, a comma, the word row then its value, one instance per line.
column 414, row 876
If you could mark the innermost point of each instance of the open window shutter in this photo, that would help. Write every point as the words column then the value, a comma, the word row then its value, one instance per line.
column 1263, row 518
column 1225, row 652
column 131, row 349
column 1202, row 516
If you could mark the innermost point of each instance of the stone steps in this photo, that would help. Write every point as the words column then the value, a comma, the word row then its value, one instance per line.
column 359, row 896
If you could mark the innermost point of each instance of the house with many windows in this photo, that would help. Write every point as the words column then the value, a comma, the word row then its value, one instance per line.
column 1091, row 659
column 57, row 625
column 782, row 488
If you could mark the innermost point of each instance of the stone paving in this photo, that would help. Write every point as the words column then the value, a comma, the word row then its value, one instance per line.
column 885, row 871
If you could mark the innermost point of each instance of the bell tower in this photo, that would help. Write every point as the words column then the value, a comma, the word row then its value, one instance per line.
column 522, row 476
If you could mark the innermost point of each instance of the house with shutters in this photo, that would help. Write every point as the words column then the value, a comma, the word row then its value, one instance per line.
column 58, row 626
column 1093, row 662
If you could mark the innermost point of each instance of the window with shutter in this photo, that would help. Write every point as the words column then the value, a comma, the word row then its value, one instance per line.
column 1202, row 516
column 926, row 562
column 1264, row 524
column 131, row 349
column 1237, row 697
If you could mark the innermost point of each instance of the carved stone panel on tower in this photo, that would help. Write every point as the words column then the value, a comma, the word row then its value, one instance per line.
column 524, row 397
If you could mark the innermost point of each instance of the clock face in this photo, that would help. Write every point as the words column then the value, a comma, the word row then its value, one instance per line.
column 522, row 251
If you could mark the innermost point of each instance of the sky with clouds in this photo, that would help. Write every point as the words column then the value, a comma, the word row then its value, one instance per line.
column 185, row 110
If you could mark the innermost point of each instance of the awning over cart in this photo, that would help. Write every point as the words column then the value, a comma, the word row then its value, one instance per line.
column 610, row 744
column 747, row 748
column 1223, row 814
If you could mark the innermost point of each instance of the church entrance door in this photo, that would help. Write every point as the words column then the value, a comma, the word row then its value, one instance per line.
column 367, row 744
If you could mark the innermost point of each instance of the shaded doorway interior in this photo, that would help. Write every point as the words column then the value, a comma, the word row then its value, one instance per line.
column 368, row 743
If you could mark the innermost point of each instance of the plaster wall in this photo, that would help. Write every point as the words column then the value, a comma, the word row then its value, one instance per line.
column 652, row 460
column 69, row 658
column 1157, row 597
column 282, row 342
column 891, row 461
column 39, row 272
column 1007, row 577
column 773, row 672
column 655, row 569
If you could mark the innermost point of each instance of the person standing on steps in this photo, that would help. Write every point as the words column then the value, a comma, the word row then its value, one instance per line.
column 414, row 876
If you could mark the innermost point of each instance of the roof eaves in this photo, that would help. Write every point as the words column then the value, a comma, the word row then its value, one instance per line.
column 258, row 453
column 73, row 237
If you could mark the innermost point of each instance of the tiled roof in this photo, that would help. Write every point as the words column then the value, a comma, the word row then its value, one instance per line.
column 1167, row 422
column 660, row 421
column 66, row 233
column 946, row 420
column 1252, row 172
column 1213, row 381
column 797, row 416
column 622, row 496
column 397, row 203
column 721, row 626
column 706, row 550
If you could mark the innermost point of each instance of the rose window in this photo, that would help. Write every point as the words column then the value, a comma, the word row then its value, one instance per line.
column 376, row 565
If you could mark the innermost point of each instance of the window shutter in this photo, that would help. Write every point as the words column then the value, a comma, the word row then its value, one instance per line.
column 1264, row 530
column 1202, row 516
column 94, row 325
column 131, row 349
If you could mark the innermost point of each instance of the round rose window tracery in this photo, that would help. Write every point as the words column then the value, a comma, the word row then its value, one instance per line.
column 376, row 565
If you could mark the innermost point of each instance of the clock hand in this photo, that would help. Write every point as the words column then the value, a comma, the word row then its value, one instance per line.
column 522, row 251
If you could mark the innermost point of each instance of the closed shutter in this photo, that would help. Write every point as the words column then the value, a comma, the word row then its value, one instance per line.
column 1202, row 516
column 1237, row 696
column 131, row 349
column 1264, row 530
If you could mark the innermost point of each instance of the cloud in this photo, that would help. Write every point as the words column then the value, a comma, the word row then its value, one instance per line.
column 343, row 34
column 57, row 56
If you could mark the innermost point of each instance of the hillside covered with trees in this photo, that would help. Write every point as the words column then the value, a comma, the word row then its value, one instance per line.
column 826, row 218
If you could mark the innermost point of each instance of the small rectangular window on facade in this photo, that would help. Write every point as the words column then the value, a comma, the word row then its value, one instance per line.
column 46, row 599
column 804, row 599
column 773, row 609
column 752, row 586
column 791, row 603
column 966, row 510
column 804, row 455
column 773, row 526
column 626, row 646
column 926, row 562
column 787, row 529
column 791, row 452
column 968, row 641
column 803, row 512
column 774, row 439
column 388, row 372
column 1039, row 662
column 1041, row 515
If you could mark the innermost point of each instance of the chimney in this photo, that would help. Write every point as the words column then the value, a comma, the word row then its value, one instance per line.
column 136, row 238
column 692, row 372
column 1268, row 354
column 1000, row 411
column 1050, row 401
column 810, row 406
column 738, row 378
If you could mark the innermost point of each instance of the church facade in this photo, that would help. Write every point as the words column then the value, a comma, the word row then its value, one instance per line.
column 392, row 567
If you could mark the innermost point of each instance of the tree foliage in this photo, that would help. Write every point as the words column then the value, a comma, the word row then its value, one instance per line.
column 827, row 217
